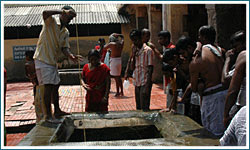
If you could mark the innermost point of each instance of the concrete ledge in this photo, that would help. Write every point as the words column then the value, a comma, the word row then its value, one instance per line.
column 69, row 76
column 147, row 142
column 177, row 130
column 40, row 135
column 184, row 129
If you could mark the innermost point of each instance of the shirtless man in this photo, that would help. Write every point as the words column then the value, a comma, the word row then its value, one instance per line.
column 238, row 42
column 186, row 47
column 236, row 97
column 116, row 47
column 209, row 68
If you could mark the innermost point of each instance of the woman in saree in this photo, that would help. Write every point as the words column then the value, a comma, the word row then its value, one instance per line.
column 96, row 81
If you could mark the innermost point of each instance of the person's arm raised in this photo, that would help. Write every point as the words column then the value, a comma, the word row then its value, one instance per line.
column 226, row 77
column 48, row 13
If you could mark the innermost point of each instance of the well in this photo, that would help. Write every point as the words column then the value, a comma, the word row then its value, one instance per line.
column 129, row 128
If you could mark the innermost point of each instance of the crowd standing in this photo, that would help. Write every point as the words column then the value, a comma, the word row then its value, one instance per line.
column 207, row 80
column 199, row 74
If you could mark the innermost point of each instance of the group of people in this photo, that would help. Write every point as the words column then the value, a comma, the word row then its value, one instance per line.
column 41, row 67
column 209, row 80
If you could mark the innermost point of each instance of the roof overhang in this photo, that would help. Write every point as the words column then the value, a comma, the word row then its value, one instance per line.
column 18, row 16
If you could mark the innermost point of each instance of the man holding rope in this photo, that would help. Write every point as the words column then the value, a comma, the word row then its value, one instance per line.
column 53, row 40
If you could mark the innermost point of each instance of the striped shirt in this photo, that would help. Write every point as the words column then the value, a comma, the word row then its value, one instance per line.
column 143, row 59
column 51, row 40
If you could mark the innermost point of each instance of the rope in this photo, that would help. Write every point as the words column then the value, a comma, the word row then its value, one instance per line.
column 79, row 67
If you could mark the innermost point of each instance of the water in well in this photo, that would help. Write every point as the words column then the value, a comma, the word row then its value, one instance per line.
column 117, row 133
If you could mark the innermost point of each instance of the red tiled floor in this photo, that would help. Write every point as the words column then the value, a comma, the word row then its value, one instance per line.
column 20, row 110
column 14, row 139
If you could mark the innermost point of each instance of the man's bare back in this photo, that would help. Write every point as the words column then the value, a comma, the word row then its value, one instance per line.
column 208, row 67
column 116, row 49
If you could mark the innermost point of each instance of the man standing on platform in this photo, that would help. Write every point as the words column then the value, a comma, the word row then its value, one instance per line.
column 53, row 40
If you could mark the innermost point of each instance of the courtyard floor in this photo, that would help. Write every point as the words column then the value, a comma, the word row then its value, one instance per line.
column 20, row 111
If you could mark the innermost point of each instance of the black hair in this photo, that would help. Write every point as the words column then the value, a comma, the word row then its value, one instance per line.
column 208, row 32
column 93, row 52
column 101, row 40
column 165, row 34
column 67, row 7
column 29, row 54
column 169, row 54
column 135, row 33
column 166, row 67
column 239, row 36
column 183, row 43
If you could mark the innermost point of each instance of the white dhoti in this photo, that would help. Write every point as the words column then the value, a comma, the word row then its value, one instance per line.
column 115, row 66
column 46, row 74
column 212, row 111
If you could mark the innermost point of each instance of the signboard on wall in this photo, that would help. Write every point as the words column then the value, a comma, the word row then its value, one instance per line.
column 19, row 51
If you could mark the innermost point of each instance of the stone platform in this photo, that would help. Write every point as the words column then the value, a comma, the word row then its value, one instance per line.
column 176, row 130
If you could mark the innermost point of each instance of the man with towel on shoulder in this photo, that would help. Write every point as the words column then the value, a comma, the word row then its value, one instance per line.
column 208, row 67
column 116, row 46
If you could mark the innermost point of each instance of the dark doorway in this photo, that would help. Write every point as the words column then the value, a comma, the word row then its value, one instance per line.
column 197, row 17
column 230, row 18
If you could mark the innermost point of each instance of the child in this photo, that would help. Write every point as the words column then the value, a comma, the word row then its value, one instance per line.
column 30, row 70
